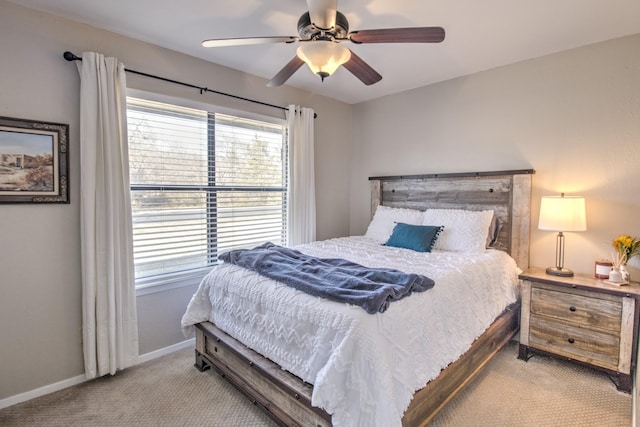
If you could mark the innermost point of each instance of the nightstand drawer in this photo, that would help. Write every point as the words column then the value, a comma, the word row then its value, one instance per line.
column 570, row 340
column 593, row 313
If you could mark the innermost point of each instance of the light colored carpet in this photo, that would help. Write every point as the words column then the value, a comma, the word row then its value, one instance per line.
column 169, row 391
column 544, row 391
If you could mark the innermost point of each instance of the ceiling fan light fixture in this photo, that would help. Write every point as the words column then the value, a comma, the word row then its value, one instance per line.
column 323, row 57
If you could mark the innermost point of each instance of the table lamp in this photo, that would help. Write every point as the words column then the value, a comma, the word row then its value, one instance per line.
column 560, row 213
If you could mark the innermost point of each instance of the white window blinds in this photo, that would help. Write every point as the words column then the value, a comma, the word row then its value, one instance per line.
column 202, row 183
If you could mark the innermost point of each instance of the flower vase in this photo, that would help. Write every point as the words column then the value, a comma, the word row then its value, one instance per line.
column 626, row 276
column 615, row 275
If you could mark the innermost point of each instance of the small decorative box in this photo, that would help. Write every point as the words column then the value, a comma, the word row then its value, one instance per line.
column 602, row 268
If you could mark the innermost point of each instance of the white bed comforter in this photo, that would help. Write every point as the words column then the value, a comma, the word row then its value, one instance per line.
column 365, row 368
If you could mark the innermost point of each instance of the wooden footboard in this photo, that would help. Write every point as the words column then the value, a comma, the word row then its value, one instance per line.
column 285, row 397
column 288, row 399
column 428, row 401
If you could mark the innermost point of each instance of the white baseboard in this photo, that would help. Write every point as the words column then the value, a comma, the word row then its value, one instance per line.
column 32, row 394
column 167, row 350
column 60, row 385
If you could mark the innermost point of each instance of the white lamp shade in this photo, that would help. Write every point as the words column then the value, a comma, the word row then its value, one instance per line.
column 323, row 57
column 562, row 213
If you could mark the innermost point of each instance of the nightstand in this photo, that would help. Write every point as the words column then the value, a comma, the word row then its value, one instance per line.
column 583, row 319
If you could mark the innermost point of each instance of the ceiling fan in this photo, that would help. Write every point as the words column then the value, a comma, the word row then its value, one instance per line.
column 321, row 30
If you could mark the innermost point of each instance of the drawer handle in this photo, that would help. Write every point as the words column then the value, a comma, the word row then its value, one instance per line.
column 250, row 363
column 571, row 340
column 572, row 308
column 297, row 396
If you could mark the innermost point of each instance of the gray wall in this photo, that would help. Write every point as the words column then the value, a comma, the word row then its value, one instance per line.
column 40, row 290
column 574, row 117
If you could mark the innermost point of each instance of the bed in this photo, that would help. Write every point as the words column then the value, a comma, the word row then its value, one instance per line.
column 344, row 358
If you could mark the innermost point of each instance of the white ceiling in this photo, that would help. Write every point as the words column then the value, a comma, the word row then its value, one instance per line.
column 480, row 35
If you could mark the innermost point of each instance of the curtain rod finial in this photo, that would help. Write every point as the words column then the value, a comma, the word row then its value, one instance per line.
column 69, row 56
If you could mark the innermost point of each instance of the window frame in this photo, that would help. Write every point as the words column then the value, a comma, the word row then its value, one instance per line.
column 191, row 277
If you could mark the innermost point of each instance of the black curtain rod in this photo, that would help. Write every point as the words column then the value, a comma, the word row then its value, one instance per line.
column 70, row 56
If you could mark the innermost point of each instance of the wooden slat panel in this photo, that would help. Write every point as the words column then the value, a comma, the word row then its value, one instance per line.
column 521, row 219
column 471, row 193
column 583, row 284
column 525, row 311
column 376, row 196
column 597, row 348
column 428, row 401
column 282, row 394
column 627, row 335
column 448, row 175
column 589, row 313
column 478, row 193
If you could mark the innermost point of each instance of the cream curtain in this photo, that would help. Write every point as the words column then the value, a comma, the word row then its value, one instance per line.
column 110, row 331
column 302, row 194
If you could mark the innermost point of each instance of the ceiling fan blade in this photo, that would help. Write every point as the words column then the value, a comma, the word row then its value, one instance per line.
column 362, row 70
column 399, row 35
column 248, row 40
column 323, row 13
column 286, row 72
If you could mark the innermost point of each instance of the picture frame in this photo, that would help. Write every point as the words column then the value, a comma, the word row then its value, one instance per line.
column 34, row 161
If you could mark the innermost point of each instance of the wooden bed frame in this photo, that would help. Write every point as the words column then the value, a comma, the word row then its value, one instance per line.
column 287, row 399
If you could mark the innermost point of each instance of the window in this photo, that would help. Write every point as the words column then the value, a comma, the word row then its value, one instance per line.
column 202, row 183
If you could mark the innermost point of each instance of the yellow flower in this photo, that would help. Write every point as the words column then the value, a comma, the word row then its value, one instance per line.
column 626, row 247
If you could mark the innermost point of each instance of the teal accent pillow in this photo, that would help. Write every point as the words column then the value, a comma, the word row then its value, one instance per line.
column 419, row 238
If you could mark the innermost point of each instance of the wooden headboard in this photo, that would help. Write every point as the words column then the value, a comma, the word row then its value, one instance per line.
column 507, row 193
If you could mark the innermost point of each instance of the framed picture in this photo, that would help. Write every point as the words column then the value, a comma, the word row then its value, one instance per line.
column 34, row 161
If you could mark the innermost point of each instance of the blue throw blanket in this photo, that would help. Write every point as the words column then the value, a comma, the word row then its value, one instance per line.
column 331, row 278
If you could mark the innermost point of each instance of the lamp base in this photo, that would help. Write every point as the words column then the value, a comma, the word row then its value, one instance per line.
column 562, row 272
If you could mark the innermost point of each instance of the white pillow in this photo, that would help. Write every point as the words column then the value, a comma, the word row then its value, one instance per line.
column 464, row 231
column 385, row 219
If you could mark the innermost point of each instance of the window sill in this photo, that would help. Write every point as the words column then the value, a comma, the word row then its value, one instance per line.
column 168, row 282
